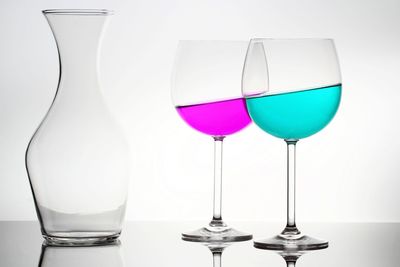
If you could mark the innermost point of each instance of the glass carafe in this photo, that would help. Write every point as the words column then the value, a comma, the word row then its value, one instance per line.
column 78, row 159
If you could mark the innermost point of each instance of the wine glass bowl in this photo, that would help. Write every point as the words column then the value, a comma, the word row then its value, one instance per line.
column 292, row 86
column 206, row 86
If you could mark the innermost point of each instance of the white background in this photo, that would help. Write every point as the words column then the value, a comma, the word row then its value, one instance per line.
column 347, row 172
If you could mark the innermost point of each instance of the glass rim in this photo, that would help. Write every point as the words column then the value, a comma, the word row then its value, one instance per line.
column 101, row 12
column 213, row 41
column 291, row 39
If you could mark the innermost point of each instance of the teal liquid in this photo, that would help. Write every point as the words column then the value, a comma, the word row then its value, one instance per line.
column 295, row 115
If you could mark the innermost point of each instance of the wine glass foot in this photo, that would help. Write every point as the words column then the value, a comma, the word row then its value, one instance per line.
column 216, row 235
column 291, row 242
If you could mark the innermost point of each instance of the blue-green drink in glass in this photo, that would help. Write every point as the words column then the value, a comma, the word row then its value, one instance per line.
column 295, row 115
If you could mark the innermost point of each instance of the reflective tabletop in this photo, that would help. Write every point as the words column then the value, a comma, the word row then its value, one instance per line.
column 159, row 244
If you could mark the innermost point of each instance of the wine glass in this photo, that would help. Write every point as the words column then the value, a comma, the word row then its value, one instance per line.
column 292, row 89
column 206, row 91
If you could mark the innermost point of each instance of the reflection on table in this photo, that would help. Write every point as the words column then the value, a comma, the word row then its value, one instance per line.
column 159, row 244
column 95, row 256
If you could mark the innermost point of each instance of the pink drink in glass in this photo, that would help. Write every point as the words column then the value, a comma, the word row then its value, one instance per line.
column 219, row 118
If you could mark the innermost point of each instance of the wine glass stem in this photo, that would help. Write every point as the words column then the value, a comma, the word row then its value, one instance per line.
column 291, row 228
column 217, row 259
column 217, row 202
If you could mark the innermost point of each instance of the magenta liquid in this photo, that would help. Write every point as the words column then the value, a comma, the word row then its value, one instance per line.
column 216, row 118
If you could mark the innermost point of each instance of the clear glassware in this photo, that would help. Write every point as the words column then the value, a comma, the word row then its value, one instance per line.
column 206, row 91
column 94, row 256
column 78, row 159
column 293, row 90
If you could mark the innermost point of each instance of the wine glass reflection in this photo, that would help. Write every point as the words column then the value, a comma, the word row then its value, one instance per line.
column 216, row 249
column 292, row 255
